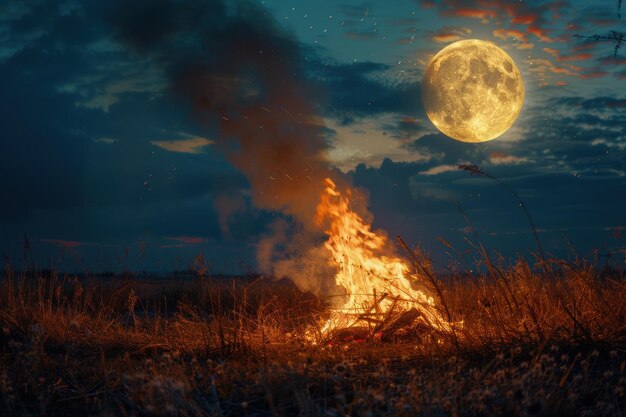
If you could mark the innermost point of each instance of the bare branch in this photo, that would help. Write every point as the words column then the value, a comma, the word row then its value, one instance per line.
column 618, row 38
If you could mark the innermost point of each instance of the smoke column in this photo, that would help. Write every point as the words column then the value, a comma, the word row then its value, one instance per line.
column 243, row 77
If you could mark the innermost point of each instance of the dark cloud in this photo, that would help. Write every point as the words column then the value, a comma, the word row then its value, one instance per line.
column 39, row 157
column 361, row 89
column 578, row 144
column 579, row 136
column 249, row 79
column 405, row 128
column 567, row 164
column 243, row 76
column 445, row 149
column 73, row 171
column 422, row 208
column 597, row 104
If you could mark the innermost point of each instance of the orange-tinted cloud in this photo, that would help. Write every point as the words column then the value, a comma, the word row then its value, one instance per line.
column 583, row 47
column 525, row 19
column 450, row 34
column 192, row 145
column 534, row 17
column 611, row 60
column 65, row 244
column 575, row 57
column 445, row 37
column 482, row 14
column 189, row 240
column 616, row 103
column 428, row 4
column 543, row 69
column 542, row 34
column 504, row 34
column 405, row 128
column 582, row 56
column 541, row 66
column 440, row 169
column 594, row 74
column 552, row 51
column 568, row 69
column 500, row 158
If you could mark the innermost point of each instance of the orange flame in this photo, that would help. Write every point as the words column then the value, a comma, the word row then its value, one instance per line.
column 375, row 280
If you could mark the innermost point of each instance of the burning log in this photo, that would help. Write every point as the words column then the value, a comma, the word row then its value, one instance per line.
column 350, row 335
column 402, row 321
column 383, row 330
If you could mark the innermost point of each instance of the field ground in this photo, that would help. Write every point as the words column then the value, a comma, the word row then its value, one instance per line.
column 531, row 344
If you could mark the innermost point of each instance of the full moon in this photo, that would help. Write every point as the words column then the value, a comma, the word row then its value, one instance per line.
column 472, row 91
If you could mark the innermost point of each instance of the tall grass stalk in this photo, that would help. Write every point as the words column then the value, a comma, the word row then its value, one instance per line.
column 475, row 170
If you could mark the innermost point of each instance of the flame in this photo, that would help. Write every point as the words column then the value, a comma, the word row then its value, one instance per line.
column 376, row 281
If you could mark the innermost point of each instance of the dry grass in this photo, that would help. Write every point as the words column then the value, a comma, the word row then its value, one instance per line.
column 531, row 344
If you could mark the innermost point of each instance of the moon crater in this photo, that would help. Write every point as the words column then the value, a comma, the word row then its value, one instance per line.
column 472, row 91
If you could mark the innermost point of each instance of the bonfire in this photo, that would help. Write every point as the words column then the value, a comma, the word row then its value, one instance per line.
column 382, row 295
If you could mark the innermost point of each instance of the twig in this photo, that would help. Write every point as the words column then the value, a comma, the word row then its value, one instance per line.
column 507, row 292
column 618, row 38
column 436, row 285
column 403, row 320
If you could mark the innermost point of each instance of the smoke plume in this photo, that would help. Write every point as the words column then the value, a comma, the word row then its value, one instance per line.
column 243, row 77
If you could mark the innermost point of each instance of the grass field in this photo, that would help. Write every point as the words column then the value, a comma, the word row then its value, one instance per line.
column 531, row 343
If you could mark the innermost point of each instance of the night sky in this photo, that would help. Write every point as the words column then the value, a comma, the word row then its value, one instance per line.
column 137, row 135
